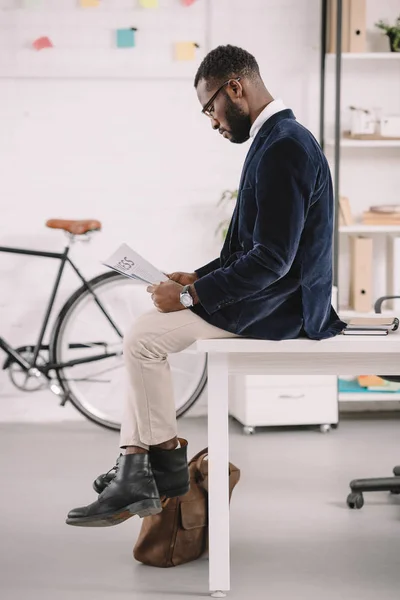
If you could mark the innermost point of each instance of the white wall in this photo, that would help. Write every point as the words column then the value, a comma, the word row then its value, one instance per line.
column 137, row 155
column 140, row 157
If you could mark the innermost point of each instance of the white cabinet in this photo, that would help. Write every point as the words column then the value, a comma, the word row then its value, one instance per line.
column 273, row 400
column 265, row 400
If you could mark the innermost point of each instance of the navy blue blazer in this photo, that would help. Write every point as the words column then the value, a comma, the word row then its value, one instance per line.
column 273, row 279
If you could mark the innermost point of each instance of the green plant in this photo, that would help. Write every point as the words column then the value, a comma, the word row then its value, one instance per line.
column 227, row 197
column 393, row 33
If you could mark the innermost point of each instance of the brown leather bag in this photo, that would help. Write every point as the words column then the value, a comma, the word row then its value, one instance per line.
column 179, row 534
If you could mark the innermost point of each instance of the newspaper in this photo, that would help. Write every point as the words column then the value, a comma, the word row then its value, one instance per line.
column 129, row 263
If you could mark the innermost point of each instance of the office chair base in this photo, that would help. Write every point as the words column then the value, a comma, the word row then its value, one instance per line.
column 382, row 484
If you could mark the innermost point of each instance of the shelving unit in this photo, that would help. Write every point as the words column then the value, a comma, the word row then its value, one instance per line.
column 337, row 143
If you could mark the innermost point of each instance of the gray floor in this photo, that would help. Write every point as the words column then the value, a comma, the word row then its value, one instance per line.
column 292, row 535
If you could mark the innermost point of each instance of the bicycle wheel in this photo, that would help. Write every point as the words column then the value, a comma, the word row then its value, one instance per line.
column 97, row 388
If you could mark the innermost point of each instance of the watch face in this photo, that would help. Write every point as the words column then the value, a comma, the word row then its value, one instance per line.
column 187, row 299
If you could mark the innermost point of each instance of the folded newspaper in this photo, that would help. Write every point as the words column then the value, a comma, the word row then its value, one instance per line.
column 129, row 263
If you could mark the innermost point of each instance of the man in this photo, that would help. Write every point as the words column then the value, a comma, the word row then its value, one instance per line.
column 273, row 280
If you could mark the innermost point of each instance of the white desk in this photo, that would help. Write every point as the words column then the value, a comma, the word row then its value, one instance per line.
column 342, row 355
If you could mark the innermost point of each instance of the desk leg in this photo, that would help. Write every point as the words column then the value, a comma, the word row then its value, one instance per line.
column 218, row 478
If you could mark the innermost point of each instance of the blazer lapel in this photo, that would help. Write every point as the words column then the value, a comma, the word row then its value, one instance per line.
column 233, row 226
column 258, row 140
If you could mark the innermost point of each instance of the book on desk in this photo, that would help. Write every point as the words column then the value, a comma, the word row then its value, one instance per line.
column 371, row 326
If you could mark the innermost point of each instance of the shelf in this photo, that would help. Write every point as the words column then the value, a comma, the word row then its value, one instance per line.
column 348, row 313
column 368, row 396
column 346, row 143
column 368, row 55
column 360, row 228
column 351, row 391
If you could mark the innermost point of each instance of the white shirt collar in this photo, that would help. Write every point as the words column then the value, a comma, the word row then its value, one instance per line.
column 271, row 109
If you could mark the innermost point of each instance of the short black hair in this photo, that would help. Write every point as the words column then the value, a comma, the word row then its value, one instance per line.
column 225, row 61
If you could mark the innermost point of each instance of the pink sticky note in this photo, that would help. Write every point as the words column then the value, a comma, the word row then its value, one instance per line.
column 188, row 2
column 42, row 42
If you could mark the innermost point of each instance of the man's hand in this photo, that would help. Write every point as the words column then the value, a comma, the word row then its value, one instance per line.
column 183, row 278
column 166, row 295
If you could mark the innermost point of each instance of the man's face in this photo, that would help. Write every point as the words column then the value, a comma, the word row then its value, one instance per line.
column 228, row 112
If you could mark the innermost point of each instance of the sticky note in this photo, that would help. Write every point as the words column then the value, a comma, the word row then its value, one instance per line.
column 188, row 2
column 89, row 3
column 31, row 3
column 42, row 42
column 126, row 38
column 149, row 3
column 185, row 50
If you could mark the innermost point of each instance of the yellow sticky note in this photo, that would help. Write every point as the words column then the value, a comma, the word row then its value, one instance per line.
column 185, row 50
column 149, row 3
column 90, row 3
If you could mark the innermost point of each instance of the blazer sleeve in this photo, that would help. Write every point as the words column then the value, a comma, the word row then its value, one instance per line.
column 284, row 182
column 209, row 268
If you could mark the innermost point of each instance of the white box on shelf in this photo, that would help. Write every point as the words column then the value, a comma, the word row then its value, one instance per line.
column 390, row 126
column 362, row 122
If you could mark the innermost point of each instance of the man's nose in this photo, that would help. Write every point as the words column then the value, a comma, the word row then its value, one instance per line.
column 214, row 123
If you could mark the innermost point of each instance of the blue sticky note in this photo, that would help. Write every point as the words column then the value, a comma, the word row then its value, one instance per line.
column 125, row 38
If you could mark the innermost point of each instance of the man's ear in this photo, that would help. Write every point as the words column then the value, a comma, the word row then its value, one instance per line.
column 235, row 89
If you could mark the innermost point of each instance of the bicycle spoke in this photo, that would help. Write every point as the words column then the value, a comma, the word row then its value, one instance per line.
column 102, row 372
column 98, row 388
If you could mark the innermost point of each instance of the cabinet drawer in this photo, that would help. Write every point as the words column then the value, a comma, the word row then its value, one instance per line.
column 286, row 406
column 278, row 381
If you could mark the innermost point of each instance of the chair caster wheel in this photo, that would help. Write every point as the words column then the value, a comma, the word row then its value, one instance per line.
column 249, row 430
column 355, row 500
column 396, row 471
column 324, row 428
column 334, row 425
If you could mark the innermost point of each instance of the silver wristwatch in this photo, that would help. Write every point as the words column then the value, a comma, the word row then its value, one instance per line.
column 186, row 297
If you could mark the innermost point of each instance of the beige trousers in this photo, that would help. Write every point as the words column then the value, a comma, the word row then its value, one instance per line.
column 150, row 415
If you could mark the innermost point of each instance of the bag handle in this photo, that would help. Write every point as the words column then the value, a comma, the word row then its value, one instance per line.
column 198, row 460
column 199, row 455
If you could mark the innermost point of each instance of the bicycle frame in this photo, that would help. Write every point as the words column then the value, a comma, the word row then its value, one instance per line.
column 15, row 356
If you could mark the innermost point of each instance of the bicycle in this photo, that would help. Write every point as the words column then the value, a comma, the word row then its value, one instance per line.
column 83, row 361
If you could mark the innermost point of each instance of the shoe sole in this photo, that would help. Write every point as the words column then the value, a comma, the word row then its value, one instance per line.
column 166, row 494
column 144, row 508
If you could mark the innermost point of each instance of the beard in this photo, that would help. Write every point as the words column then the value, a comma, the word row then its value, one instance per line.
column 238, row 122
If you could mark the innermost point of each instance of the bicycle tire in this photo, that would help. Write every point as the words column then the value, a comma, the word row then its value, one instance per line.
column 55, row 340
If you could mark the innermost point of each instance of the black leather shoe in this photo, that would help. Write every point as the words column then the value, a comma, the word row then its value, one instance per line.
column 133, row 491
column 170, row 470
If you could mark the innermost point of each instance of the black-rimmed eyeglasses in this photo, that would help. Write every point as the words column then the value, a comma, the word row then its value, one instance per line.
column 206, row 109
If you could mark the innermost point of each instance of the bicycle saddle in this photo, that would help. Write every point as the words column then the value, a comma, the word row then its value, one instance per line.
column 74, row 227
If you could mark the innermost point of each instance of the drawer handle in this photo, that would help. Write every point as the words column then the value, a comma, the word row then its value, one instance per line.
column 291, row 396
